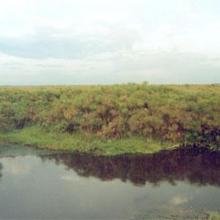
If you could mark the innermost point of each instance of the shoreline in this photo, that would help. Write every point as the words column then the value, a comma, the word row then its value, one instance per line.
column 80, row 143
column 84, row 143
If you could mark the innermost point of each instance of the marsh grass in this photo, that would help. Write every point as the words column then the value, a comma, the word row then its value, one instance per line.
column 82, row 142
column 127, row 118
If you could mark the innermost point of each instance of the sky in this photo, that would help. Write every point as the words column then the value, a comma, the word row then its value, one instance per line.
column 50, row 42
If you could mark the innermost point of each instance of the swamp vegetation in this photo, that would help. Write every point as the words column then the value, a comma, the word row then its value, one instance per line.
column 111, row 120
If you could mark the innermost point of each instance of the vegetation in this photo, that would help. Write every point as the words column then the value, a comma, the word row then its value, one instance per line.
column 112, row 119
column 214, row 216
column 80, row 142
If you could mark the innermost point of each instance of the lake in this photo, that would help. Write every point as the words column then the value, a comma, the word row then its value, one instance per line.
column 39, row 184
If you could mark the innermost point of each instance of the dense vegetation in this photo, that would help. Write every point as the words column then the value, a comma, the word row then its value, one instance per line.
column 107, row 115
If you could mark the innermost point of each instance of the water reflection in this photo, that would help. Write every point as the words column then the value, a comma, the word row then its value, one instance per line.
column 198, row 166
column 39, row 185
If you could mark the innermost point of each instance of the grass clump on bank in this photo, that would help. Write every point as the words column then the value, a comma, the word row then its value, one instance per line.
column 111, row 119
column 84, row 143
column 214, row 216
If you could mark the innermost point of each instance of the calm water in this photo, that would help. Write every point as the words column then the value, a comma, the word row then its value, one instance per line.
column 35, row 184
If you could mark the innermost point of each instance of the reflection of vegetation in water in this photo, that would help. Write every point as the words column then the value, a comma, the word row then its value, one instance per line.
column 176, row 114
column 198, row 166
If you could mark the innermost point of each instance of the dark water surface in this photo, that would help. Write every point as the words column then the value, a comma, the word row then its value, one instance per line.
column 35, row 184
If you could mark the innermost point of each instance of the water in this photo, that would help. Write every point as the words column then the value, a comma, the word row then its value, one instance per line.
column 182, row 184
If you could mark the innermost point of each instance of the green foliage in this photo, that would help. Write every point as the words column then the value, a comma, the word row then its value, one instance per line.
column 213, row 216
column 82, row 142
column 178, row 114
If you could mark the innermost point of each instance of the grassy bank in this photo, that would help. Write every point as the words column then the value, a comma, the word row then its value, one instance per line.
column 85, row 143
column 130, row 118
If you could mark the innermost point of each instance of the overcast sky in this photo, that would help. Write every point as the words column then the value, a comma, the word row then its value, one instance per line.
column 109, row 41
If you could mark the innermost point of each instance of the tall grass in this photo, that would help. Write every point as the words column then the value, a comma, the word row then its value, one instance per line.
column 109, row 117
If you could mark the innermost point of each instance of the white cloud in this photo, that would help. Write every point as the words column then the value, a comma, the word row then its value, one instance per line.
column 179, row 200
column 109, row 41
column 111, row 67
column 15, row 166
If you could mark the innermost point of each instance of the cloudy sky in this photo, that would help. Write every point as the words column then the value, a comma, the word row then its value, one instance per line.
column 109, row 41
